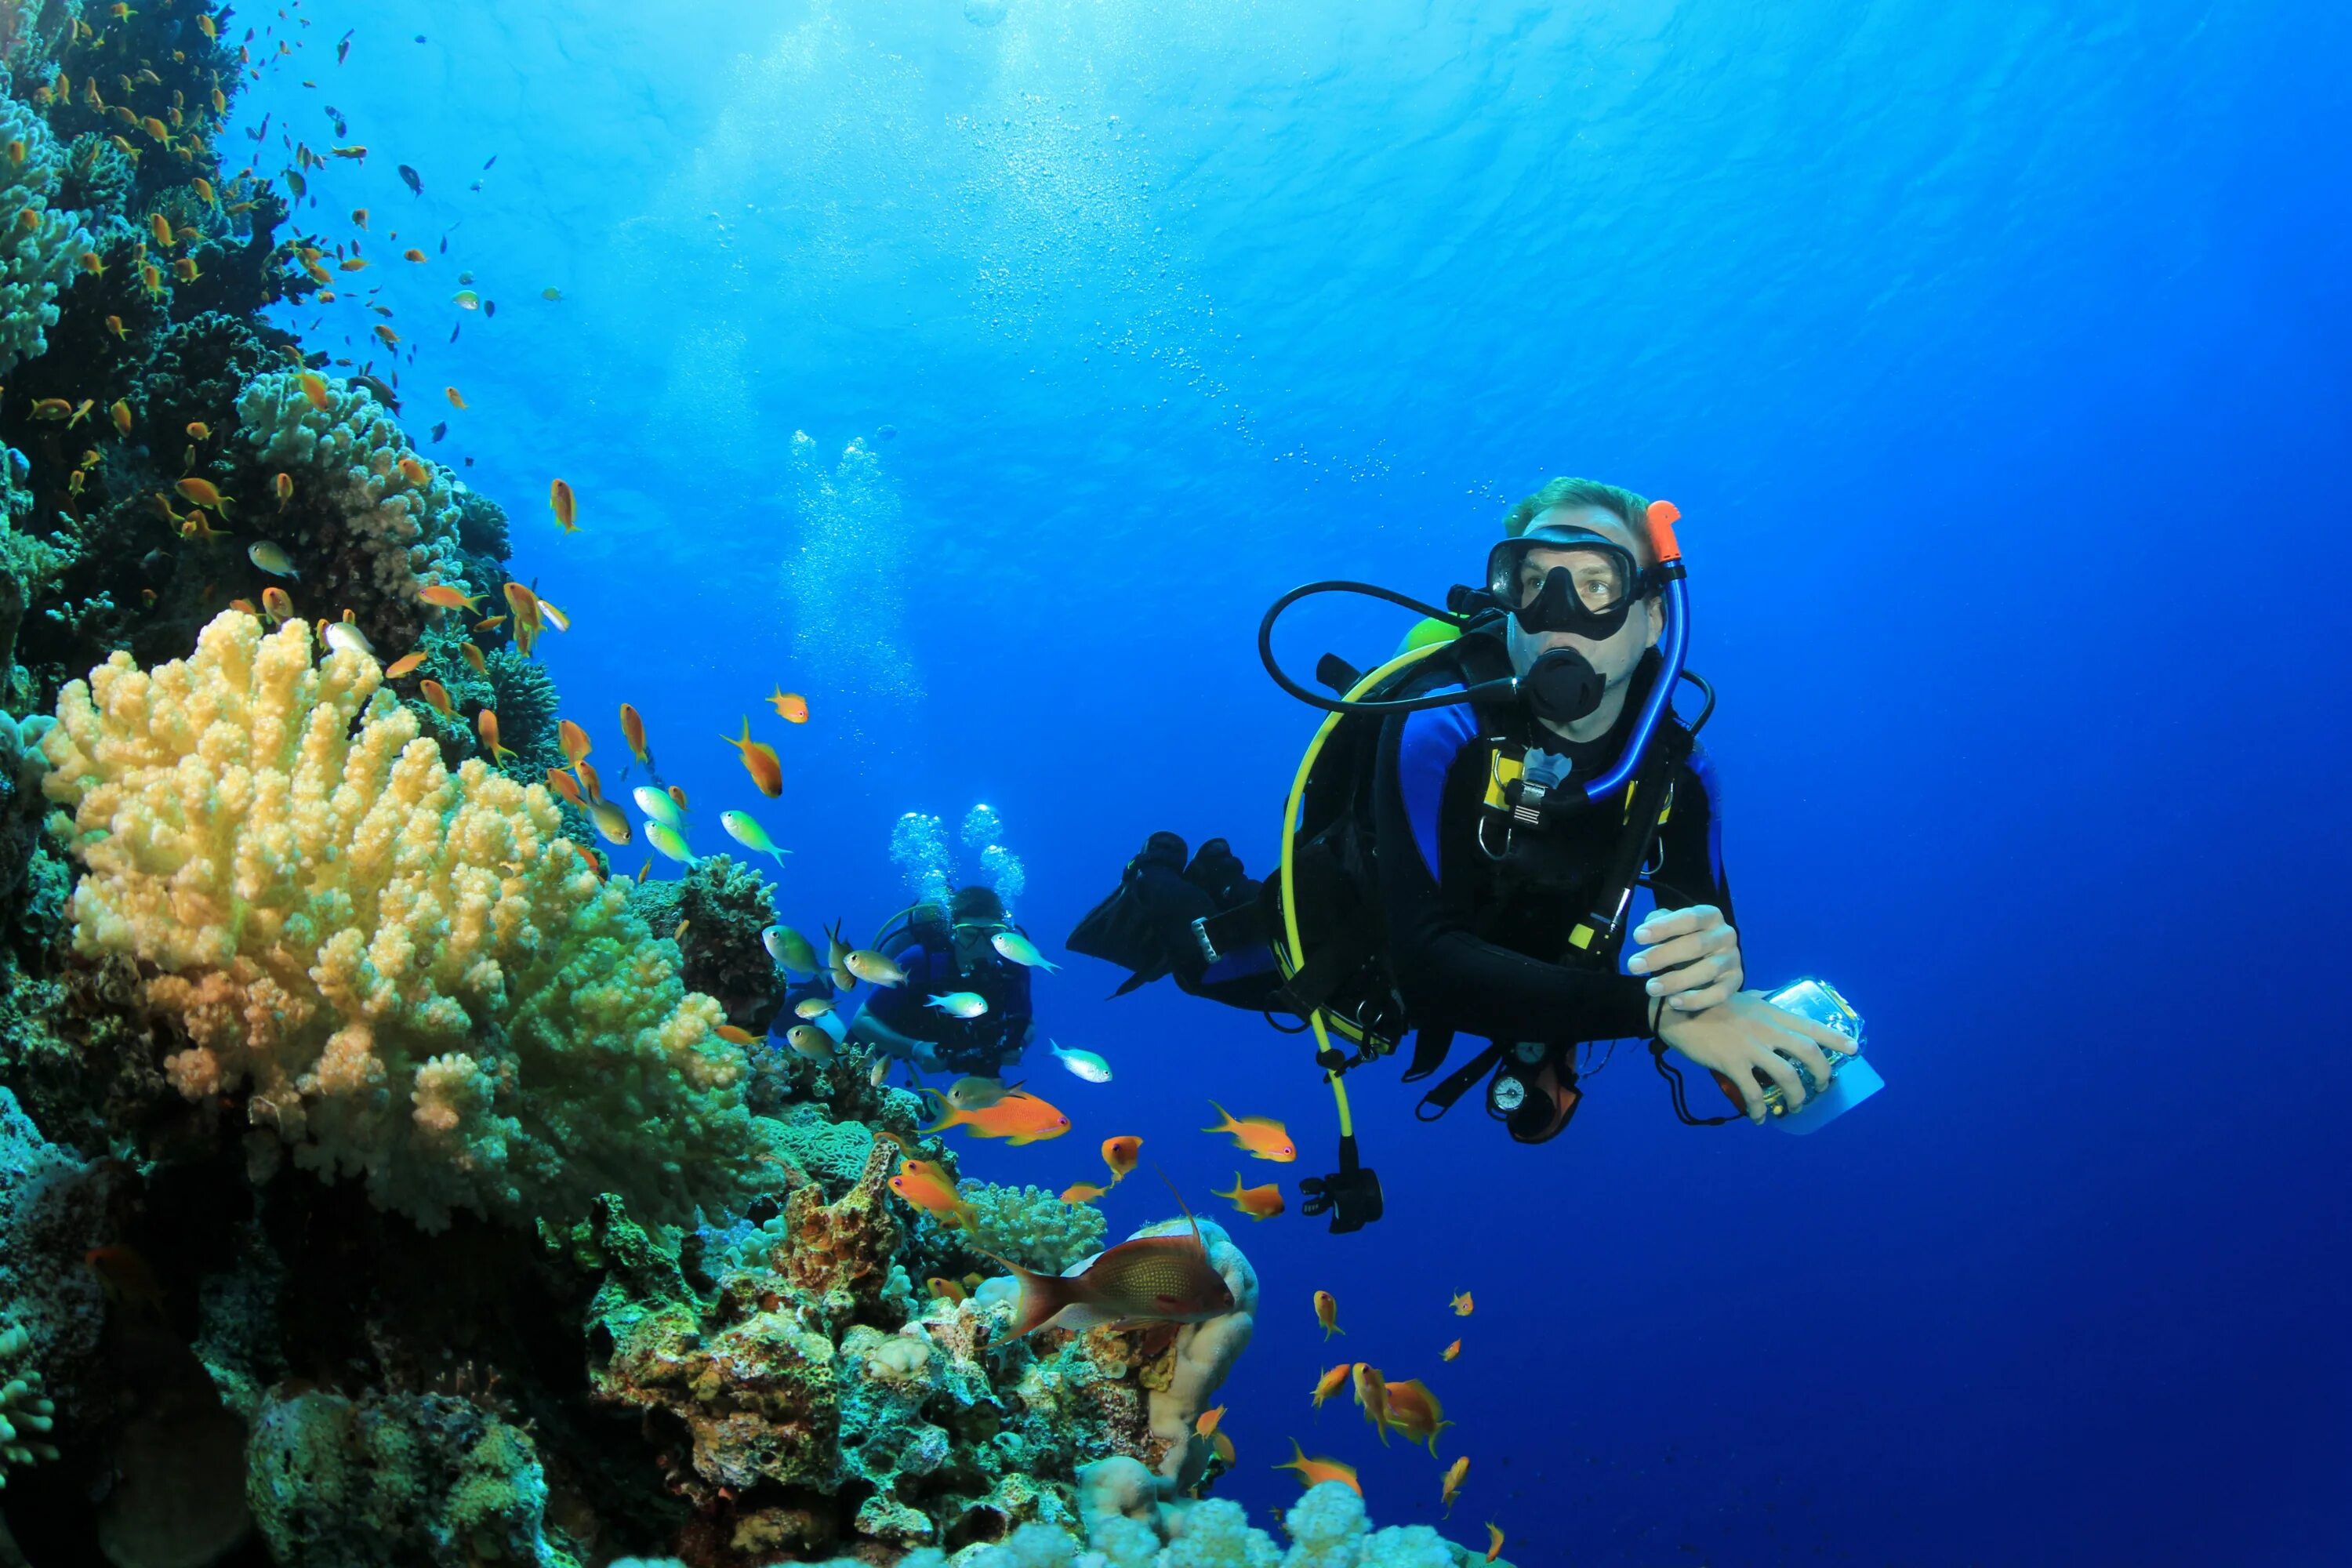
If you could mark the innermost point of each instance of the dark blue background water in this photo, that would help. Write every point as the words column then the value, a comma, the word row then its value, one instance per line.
column 1996, row 358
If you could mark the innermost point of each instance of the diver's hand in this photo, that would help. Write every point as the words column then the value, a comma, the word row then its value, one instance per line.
column 1748, row 1033
column 1692, row 957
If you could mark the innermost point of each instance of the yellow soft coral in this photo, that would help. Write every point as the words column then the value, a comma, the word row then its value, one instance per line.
column 420, row 979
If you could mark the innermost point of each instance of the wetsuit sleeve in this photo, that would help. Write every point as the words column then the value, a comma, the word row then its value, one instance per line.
column 1424, row 799
column 1690, row 866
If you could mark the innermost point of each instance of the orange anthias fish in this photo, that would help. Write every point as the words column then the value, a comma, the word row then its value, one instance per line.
column 947, row 1290
column 561, row 782
column 1147, row 1279
column 403, row 666
column 1416, row 1412
column 1082, row 1193
column 1326, row 1312
column 1258, row 1203
column 486, row 722
column 575, row 741
column 414, row 472
column 456, row 399
column 633, row 731
column 474, row 656
column 678, row 794
column 1450, row 1351
column 276, row 602
column 437, row 696
column 1372, row 1394
column 1331, row 1383
column 931, row 1190
column 1451, row 1484
column 1494, row 1540
column 202, row 493
column 1121, row 1155
column 560, row 499
column 449, row 597
column 730, row 1033
column 790, row 706
column 1019, row 1118
column 314, row 387
column 522, row 601
column 759, row 761
column 1263, row 1136
column 1463, row 1305
column 1315, row 1472
column 1207, row 1424
column 586, row 774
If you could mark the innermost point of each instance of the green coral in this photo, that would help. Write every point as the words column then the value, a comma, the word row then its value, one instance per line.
column 1033, row 1228
column 38, row 253
column 725, row 905
column 26, row 1415
column 395, row 1480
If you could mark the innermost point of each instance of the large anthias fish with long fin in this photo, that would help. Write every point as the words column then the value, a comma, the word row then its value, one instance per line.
column 1150, row 1279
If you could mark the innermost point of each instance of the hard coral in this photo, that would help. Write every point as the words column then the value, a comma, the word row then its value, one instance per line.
column 37, row 252
column 417, row 975
column 392, row 1481
column 725, row 905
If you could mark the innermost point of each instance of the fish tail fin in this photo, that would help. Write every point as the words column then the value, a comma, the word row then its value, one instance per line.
column 1433, row 1431
column 949, row 1115
column 1225, row 1122
column 1042, row 1296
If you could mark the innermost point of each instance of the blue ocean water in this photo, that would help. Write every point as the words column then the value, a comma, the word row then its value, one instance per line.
column 982, row 370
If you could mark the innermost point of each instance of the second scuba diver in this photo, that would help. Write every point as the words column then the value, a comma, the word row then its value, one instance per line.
column 1467, row 834
column 948, row 953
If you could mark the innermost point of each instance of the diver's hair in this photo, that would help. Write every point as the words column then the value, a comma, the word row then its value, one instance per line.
column 1630, row 510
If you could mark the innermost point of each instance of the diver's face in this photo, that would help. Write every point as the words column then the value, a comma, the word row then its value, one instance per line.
column 1614, row 657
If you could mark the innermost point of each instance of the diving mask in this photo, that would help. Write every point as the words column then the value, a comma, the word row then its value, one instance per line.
column 1569, row 580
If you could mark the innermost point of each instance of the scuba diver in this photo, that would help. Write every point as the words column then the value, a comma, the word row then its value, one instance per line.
column 944, row 950
column 1464, row 841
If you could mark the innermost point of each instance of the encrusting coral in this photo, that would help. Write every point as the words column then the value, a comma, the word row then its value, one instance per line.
column 420, row 978
column 1032, row 1227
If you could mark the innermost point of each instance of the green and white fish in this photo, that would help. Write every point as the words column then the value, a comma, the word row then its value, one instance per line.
column 349, row 638
column 978, row 1093
column 271, row 558
column 1085, row 1064
column 1020, row 950
column 658, row 804
column 669, row 841
column 962, row 1004
column 744, row 830
column 789, row 949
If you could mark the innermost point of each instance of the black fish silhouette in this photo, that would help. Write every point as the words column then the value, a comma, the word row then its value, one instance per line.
column 408, row 177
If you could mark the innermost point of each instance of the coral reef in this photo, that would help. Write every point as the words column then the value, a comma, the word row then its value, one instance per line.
column 807, row 1400
column 395, row 1480
column 725, row 906
column 1032, row 1227
column 370, row 522
column 419, row 976
column 27, row 1416
column 38, row 245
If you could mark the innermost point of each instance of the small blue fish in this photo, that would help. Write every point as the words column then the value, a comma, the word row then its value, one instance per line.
column 1085, row 1064
column 962, row 1004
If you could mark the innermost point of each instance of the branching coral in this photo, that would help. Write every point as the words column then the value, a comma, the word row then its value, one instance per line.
column 419, row 977
column 38, row 246
column 1032, row 1227
column 373, row 522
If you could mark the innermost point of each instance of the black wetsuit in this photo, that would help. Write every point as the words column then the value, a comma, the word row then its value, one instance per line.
column 1473, row 943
